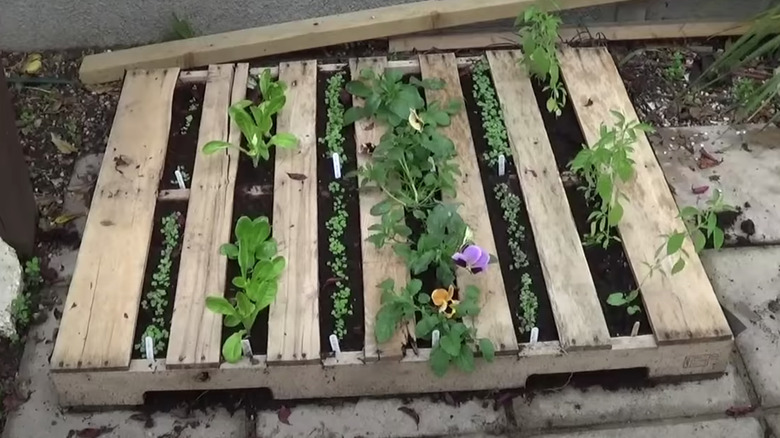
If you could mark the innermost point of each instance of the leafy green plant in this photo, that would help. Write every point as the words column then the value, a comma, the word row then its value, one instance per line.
column 760, row 40
column 602, row 167
column 676, row 71
column 387, row 97
column 538, row 34
column 334, row 130
column 258, row 282
column 155, row 300
column 181, row 29
column 510, row 210
column 492, row 116
column 529, row 305
column 744, row 89
column 256, row 122
column 700, row 225
column 458, row 341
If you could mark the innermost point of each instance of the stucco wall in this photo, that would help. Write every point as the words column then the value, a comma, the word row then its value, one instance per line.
column 56, row 24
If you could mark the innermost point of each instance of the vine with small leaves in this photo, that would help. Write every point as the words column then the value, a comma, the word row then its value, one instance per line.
column 155, row 300
column 602, row 167
column 538, row 34
column 492, row 116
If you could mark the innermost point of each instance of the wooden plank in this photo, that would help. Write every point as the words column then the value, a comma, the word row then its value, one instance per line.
column 575, row 305
column 98, row 322
column 680, row 307
column 495, row 320
column 378, row 264
column 310, row 33
column 293, row 321
column 195, row 332
column 612, row 32
column 18, row 212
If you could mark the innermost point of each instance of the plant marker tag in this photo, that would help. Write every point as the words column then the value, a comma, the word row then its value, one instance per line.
column 336, row 165
column 534, row 335
column 435, row 336
column 635, row 329
column 246, row 348
column 180, row 178
column 501, row 165
column 334, row 341
column 149, row 349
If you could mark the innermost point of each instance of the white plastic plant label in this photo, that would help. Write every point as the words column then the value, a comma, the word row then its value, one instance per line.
column 149, row 349
column 246, row 348
column 334, row 344
column 435, row 337
column 501, row 165
column 180, row 178
column 534, row 335
column 635, row 329
column 336, row 165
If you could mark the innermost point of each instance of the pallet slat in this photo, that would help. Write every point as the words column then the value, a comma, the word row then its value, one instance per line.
column 378, row 264
column 495, row 320
column 195, row 332
column 293, row 322
column 575, row 305
column 98, row 322
column 681, row 307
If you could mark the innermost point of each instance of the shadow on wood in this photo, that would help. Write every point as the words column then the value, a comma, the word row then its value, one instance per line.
column 18, row 213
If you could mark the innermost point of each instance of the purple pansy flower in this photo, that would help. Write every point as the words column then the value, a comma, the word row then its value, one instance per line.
column 473, row 258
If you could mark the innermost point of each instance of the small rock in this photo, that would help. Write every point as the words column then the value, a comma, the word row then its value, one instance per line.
column 748, row 227
column 10, row 288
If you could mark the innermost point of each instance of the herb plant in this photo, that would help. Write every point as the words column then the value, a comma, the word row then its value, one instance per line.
column 256, row 122
column 490, row 110
column 510, row 209
column 538, row 34
column 258, row 282
column 155, row 300
column 387, row 97
column 676, row 71
column 602, row 167
column 529, row 305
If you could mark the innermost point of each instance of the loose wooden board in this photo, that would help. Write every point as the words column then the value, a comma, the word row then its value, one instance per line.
column 293, row 321
column 575, row 305
column 99, row 317
column 494, row 321
column 196, row 331
column 310, row 33
column 610, row 32
column 681, row 307
column 378, row 264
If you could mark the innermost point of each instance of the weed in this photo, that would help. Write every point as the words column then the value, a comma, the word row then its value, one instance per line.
column 538, row 35
column 744, row 89
column 676, row 71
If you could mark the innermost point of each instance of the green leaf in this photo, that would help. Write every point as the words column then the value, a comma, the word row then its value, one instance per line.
column 717, row 238
column 423, row 298
column 381, row 208
column 231, row 350
column 440, row 361
column 284, row 140
column 266, row 293
column 451, row 344
column 245, row 122
column 615, row 214
column 633, row 310
column 426, row 326
column 354, row 114
column 358, row 88
column 688, row 212
column 604, row 188
column 487, row 349
column 245, row 307
column 616, row 299
column 674, row 243
column 678, row 266
column 220, row 305
column 216, row 145
column 264, row 82
column 266, row 250
column 229, row 250
column 231, row 320
column 465, row 360
column 387, row 320
column 699, row 240
column 239, row 282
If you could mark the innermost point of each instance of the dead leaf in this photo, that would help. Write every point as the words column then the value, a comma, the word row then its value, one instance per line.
column 739, row 411
column 411, row 413
column 93, row 432
column 449, row 400
column 284, row 415
column 103, row 88
column 297, row 176
column 63, row 146
column 65, row 218
column 33, row 64
column 699, row 190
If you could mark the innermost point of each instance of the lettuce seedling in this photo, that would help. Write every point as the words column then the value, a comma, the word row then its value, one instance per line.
column 256, row 122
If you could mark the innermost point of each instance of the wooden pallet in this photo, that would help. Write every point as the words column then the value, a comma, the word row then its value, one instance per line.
column 92, row 365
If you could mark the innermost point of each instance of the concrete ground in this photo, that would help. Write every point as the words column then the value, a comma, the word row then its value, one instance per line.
column 743, row 403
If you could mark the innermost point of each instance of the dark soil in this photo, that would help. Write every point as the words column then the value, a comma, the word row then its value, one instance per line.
column 609, row 267
column 145, row 316
column 183, row 135
column 545, row 321
column 354, row 323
